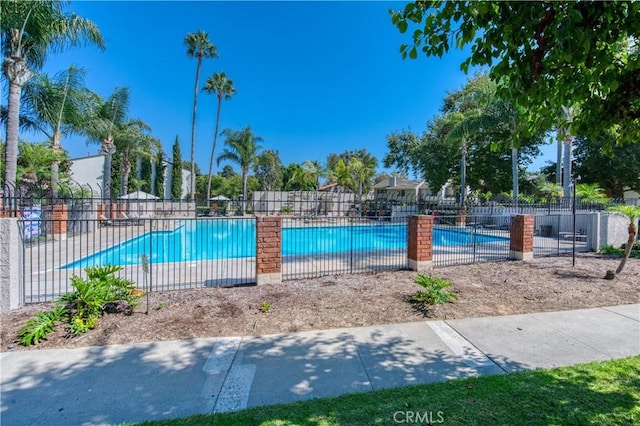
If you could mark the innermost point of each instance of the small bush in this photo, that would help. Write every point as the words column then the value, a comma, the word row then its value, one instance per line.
column 265, row 307
column 83, row 307
column 619, row 251
column 435, row 292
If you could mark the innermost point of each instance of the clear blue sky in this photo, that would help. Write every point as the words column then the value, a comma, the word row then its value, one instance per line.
column 312, row 78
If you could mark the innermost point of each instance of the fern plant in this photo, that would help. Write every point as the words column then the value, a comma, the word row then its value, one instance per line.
column 435, row 291
column 38, row 327
column 83, row 307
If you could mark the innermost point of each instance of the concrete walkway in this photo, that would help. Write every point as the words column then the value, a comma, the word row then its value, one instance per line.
column 126, row 383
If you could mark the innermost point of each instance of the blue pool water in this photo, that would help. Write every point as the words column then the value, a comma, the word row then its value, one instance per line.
column 235, row 238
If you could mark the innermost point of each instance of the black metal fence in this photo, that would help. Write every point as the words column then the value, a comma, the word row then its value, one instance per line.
column 557, row 234
column 192, row 245
column 470, row 239
column 181, row 253
column 318, row 246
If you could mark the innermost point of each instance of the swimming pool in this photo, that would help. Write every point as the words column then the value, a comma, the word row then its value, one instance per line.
column 214, row 239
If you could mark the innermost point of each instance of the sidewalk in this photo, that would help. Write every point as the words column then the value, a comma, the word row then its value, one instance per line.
column 127, row 383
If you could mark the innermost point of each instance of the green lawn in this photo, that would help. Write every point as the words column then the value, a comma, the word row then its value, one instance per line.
column 600, row 393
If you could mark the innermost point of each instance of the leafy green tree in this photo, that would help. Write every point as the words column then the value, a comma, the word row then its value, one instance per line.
column 543, row 55
column 31, row 30
column 34, row 163
column 242, row 149
column 294, row 184
column 227, row 171
column 176, row 172
column 613, row 170
column 222, row 86
column 471, row 142
column 199, row 47
column 268, row 170
column 309, row 174
column 353, row 170
column 160, row 169
column 146, row 170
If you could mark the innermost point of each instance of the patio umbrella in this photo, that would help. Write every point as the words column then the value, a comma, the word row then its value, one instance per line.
column 219, row 198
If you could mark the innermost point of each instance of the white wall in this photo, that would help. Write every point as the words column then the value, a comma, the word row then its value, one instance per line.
column 89, row 171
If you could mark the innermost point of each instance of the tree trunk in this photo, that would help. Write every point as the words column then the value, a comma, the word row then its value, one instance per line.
column 107, row 150
column 11, row 147
column 627, row 252
column 463, row 173
column 566, row 177
column 126, row 171
column 245, row 176
column 559, row 161
column 55, row 165
column 17, row 73
column 192, row 190
column 213, row 148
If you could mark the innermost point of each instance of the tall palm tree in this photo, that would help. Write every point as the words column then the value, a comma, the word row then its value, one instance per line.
column 30, row 30
column 566, row 120
column 222, row 86
column 468, row 116
column 56, row 106
column 198, row 46
column 242, row 149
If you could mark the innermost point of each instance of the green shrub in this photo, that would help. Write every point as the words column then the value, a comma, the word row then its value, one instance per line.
column 38, row 327
column 435, row 292
column 619, row 251
column 83, row 307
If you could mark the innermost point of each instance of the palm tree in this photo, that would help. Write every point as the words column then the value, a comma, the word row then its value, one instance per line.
column 56, row 106
column 30, row 30
column 469, row 116
column 198, row 46
column 242, row 149
column 219, row 84
column 564, row 132
column 131, row 138
column 633, row 214
column 107, row 117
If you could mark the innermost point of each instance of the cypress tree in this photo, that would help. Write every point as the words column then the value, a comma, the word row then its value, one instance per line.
column 159, row 182
column 176, row 172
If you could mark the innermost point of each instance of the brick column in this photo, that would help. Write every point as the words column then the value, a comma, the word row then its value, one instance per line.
column 521, row 247
column 57, row 224
column 420, row 243
column 268, row 249
column 114, row 211
column 461, row 218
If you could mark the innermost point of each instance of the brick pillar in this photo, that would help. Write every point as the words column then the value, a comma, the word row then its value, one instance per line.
column 461, row 218
column 521, row 247
column 268, row 249
column 114, row 211
column 420, row 243
column 102, row 211
column 58, row 221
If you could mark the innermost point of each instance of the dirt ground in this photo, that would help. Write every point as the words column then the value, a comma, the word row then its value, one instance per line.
column 503, row 288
